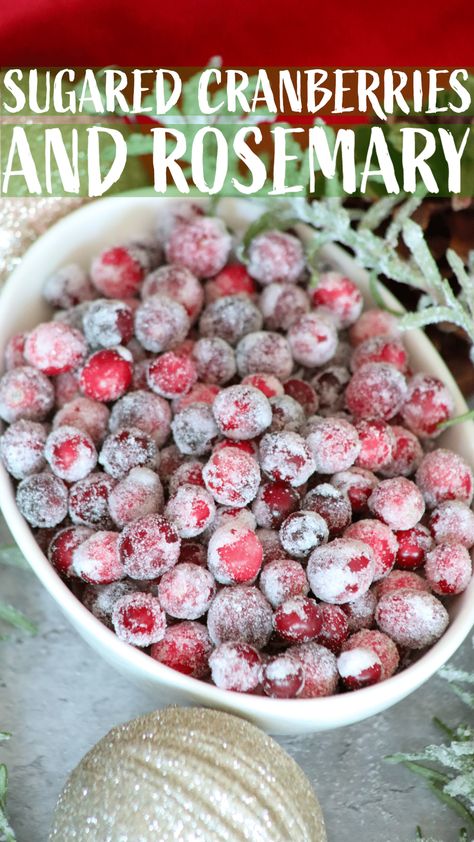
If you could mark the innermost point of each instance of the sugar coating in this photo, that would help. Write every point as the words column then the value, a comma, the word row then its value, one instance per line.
column 428, row 403
column 13, row 356
column 330, row 385
column 355, row 662
column 297, row 620
column 54, row 347
column 381, row 644
column 194, row 429
column 178, row 283
column 380, row 349
column 101, row 599
column 96, row 560
column 398, row 502
column 108, row 322
column 171, row 375
column 412, row 618
column 276, row 256
column 406, row 456
column 444, row 475
column 62, row 546
column 191, row 509
column 214, row 359
column 231, row 318
column 264, row 352
column 226, row 515
column 236, row 666
column 231, row 280
column 240, row 613
column 25, row 393
column 66, row 387
column 448, row 568
column 88, row 501
column 382, row 380
column 378, row 443
column 107, row 374
column 360, row 612
column 67, row 287
column 232, row 477
column 92, row 417
column 301, row 532
column 398, row 579
column 287, row 414
column 22, row 448
column 283, row 677
column 73, row 316
column 139, row 619
column 144, row 411
column 286, row 456
column 371, row 323
column 202, row 245
column 70, row 453
column 179, row 212
column 282, row 579
column 149, row 546
column 242, row 412
column 270, row 385
column 117, row 272
column 381, row 540
column 320, row 669
column 186, row 648
column 127, row 449
column 340, row 296
column 335, row 626
column 341, row 571
column 282, row 304
column 313, row 339
column 139, row 493
column 160, row 323
column 331, row 504
column 335, row 444
column 303, row 393
column 234, row 554
column 42, row 499
column 186, row 591
column 357, row 484
column 453, row 521
column 273, row 503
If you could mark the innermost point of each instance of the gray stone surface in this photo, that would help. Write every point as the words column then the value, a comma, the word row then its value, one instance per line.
column 58, row 698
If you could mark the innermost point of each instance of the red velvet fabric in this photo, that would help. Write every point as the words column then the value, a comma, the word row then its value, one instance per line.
column 245, row 32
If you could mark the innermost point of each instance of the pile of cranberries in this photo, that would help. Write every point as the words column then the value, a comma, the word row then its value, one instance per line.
column 236, row 471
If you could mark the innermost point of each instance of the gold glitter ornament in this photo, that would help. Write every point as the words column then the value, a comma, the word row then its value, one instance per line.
column 187, row 774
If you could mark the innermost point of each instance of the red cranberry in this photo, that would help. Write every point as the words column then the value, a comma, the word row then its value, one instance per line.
column 287, row 414
column 443, row 475
column 127, row 449
column 242, row 412
column 448, row 568
column 14, row 351
column 68, row 287
column 412, row 545
column 283, row 579
column 379, row 643
column 357, row 484
column 398, row 502
column 42, row 499
column 320, row 669
column 302, row 531
column 194, row 429
column 85, row 414
column 332, row 505
column 407, row 454
column 189, row 473
column 453, row 521
column 359, row 667
column 161, row 323
column 138, row 493
column 118, row 272
column 96, row 560
column 54, row 347
column 186, row 591
column 335, row 445
column 232, row 477
column 171, row 375
column 149, row 547
column 283, row 678
column 381, row 541
column 266, row 353
column 360, row 612
column 381, row 349
column 108, row 323
column 275, row 256
column 62, row 547
column 341, row 571
column 270, row 541
column 25, row 393
column 231, row 280
column 139, row 619
column 193, row 553
column 71, row 453
column 313, row 339
column 240, row 613
column 282, row 304
column 146, row 412
column 186, row 647
column 340, row 296
column 302, row 392
column 412, row 618
column 285, row 456
column 178, row 283
column 191, row 509
column 273, row 503
column 107, row 374
column 234, row 554
column 376, row 391
column 373, row 323
column 428, row 402
column 267, row 383
column 236, row 666
column 398, row 579
column 215, row 360
column 22, row 448
column 66, row 387
column 297, row 620
column 88, row 501
column 230, row 318
column 330, row 385
column 378, row 444
column 201, row 245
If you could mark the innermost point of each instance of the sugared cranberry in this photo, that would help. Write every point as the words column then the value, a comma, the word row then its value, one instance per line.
column 334, row 629
column 88, row 501
column 85, row 414
column 42, row 499
column 286, row 456
column 236, row 666
column 71, row 453
column 453, row 521
column 359, row 667
column 380, row 539
column 320, row 669
column 108, row 323
column 242, row 412
column 63, row 546
column 412, row 618
column 304, row 393
column 398, row 502
column 330, row 385
column 178, row 283
column 22, row 448
column 13, row 354
column 145, row 411
column 357, row 484
column 161, row 323
column 340, row 296
column 189, row 473
column 194, row 429
column 283, row 678
column 96, row 560
column 283, row 579
column 444, row 475
column 448, row 568
column 118, row 272
column 406, row 456
column 275, row 256
column 54, row 347
column 332, row 505
column 201, row 245
column 378, row 444
column 398, row 579
column 230, row 318
column 171, row 375
column 270, row 541
column 149, row 547
column 373, row 323
column 107, row 374
column 264, row 352
column 200, row 393
column 413, row 544
column 127, row 449
column 139, row 493
column 282, row 304
column 232, row 477
column 360, row 612
column 381, row 349
column 302, row 531
column 191, row 509
column 335, row 445
column 428, row 402
column 25, row 393
column 297, row 620
column 139, row 619
column 267, row 383
column 287, row 414
column 273, row 503
column 376, row 391
column 170, row 459
column 67, row 287
column 185, row 647
column 379, row 643
column 232, row 280
column 67, row 387
column 214, row 359
column 313, row 339
column 240, row 613
column 341, row 571
column 186, row 591
column 193, row 553
column 100, row 599
column 234, row 554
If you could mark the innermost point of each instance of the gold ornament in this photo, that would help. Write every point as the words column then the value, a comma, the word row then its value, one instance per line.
column 187, row 774
column 22, row 221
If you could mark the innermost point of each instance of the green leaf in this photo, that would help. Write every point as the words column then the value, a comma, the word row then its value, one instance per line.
column 15, row 618
column 7, row 833
column 377, row 296
column 458, row 419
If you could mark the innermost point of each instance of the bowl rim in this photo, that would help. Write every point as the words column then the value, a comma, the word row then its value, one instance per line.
column 328, row 710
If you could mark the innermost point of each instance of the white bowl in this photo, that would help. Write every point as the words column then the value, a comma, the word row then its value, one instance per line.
column 77, row 238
